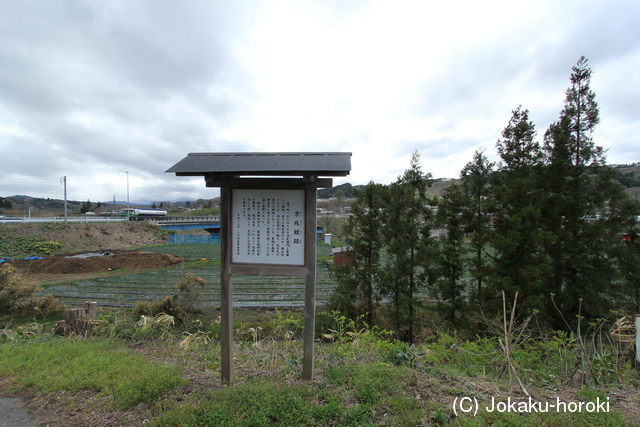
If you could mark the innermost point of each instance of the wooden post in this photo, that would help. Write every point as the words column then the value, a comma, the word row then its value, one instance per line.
column 226, row 288
column 310, row 282
column 637, row 318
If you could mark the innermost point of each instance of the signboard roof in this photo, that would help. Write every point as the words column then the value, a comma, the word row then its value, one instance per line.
column 263, row 164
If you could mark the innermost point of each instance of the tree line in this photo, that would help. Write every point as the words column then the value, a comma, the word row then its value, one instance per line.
column 5, row 203
column 548, row 222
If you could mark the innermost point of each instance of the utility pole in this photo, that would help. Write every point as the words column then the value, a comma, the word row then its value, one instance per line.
column 127, row 188
column 63, row 181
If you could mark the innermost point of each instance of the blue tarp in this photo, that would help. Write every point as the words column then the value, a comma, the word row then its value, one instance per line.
column 34, row 257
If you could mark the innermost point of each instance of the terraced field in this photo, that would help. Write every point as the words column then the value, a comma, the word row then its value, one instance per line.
column 248, row 291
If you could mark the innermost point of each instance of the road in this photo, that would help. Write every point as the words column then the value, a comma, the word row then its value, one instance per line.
column 14, row 414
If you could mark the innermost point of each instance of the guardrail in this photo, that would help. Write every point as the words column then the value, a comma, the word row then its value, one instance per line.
column 182, row 219
column 90, row 218
column 61, row 219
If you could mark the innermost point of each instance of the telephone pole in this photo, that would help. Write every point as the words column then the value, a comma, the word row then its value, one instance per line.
column 63, row 181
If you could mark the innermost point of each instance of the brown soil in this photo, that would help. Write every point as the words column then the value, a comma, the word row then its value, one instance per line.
column 91, row 236
column 67, row 267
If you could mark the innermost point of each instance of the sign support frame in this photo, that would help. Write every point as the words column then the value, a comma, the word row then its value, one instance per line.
column 310, row 184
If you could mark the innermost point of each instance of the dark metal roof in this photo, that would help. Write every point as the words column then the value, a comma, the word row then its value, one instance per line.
column 263, row 164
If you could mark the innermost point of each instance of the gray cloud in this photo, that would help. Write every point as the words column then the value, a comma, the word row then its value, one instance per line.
column 93, row 89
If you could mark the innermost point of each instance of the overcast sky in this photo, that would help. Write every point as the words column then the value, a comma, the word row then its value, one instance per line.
column 94, row 89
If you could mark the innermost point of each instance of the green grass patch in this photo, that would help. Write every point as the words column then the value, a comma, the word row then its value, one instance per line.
column 104, row 366
column 267, row 402
column 350, row 395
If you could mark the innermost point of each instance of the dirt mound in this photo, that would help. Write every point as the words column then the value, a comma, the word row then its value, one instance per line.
column 93, row 262
column 86, row 237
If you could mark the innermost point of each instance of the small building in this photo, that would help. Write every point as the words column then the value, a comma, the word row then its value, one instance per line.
column 340, row 256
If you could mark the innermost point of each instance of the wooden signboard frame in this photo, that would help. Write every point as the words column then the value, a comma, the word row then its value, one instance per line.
column 277, row 172
column 228, row 267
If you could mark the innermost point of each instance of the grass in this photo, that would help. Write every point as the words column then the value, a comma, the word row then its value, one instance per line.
column 340, row 400
column 169, row 374
column 104, row 366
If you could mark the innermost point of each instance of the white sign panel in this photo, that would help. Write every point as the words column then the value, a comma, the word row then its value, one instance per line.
column 268, row 226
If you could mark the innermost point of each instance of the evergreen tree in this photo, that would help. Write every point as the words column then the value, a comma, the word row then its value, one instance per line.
column 408, row 235
column 517, row 239
column 629, row 263
column 5, row 203
column 476, row 215
column 450, row 286
column 358, row 281
column 581, row 109
column 86, row 207
column 584, row 207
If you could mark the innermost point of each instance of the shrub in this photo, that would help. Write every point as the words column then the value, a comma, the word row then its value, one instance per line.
column 169, row 305
column 181, row 305
column 190, row 287
column 19, row 297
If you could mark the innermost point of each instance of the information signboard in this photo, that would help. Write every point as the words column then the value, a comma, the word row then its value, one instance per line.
column 268, row 226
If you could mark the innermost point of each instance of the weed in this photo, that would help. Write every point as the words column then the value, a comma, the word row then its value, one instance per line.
column 18, row 246
column 194, row 341
column 401, row 353
column 19, row 296
column 266, row 403
column 161, row 322
column 191, row 288
column 439, row 417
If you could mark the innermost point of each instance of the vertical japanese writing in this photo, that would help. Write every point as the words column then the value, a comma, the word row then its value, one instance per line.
column 269, row 226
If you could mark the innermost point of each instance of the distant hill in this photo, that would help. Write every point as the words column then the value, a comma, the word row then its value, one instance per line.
column 343, row 190
column 20, row 205
column 629, row 176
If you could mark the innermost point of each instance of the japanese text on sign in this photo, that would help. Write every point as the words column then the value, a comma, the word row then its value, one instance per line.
column 268, row 226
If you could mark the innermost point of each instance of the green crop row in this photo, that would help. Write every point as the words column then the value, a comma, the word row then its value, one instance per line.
column 127, row 290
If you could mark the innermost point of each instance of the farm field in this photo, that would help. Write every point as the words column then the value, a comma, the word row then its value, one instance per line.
column 125, row 290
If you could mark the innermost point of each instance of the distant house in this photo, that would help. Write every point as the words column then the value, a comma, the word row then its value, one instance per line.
column 340, row 256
